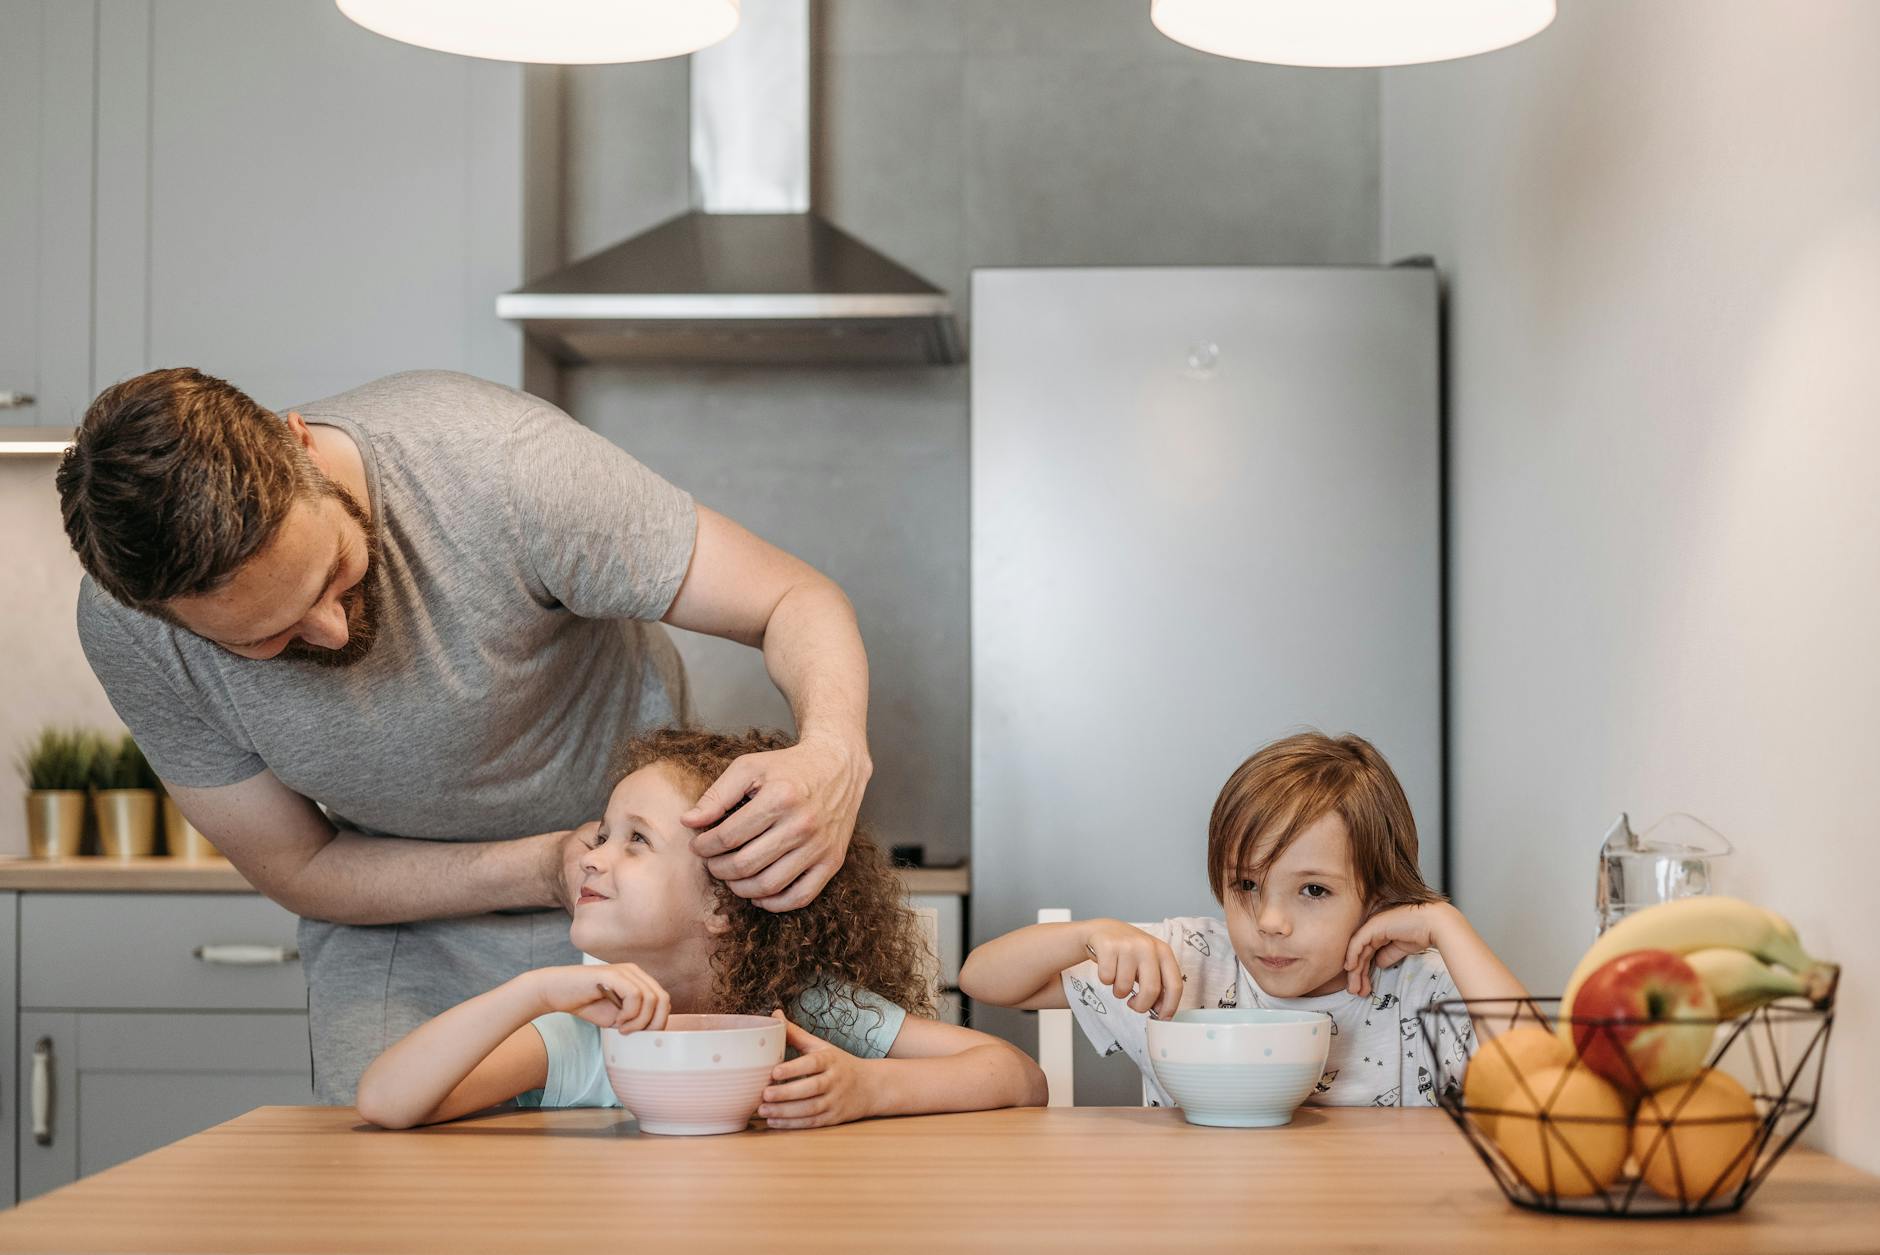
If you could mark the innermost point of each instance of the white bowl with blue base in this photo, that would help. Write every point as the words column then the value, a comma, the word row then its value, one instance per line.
column 1240, row 1069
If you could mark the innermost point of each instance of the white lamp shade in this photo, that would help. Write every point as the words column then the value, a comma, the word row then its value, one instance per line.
column 560, row 32
column 1349, row 32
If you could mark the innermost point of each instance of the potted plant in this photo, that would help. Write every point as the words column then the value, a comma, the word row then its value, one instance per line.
column 181, row 838
column 57, row 765
column 125, row 795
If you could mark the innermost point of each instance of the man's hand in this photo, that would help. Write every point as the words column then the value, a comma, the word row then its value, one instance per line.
column 560, row 862
column 790, row 835
column 824, row 1084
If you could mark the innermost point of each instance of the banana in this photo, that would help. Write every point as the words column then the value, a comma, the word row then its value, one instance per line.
column 1740, row 981
column 1685, row 925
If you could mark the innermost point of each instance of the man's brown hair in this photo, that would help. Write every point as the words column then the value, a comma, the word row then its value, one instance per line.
column 176, row 479
column 1288, row 786
column 858, row 932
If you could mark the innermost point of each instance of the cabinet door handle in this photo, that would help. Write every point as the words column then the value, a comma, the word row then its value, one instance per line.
column 42, row 1092
column 247, row 955
column 15, row 400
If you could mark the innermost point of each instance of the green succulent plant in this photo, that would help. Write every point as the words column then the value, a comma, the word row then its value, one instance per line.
column 120, row 764
column 60, row 758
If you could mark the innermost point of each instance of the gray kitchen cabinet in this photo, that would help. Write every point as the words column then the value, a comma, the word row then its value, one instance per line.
column 46, row 100
column 9, row 1061
column 268, row 192
column 103, row 1087
column 141, row 1018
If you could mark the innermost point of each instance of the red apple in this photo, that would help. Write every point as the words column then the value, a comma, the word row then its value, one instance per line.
column 1641, row 1005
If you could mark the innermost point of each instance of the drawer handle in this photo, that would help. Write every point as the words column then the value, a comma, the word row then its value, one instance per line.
column 247, row 955
column 42, row 1092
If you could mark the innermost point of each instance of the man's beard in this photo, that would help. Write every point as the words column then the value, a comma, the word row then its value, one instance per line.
column 362, row 601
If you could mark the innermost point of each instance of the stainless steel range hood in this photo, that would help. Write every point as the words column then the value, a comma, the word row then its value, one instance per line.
column 750, row 274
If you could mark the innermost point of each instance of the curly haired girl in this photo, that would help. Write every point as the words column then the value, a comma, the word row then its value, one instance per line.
column 851, row 966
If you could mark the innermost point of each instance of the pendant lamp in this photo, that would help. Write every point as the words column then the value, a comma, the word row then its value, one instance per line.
column 561, row 32
column 1349, row 32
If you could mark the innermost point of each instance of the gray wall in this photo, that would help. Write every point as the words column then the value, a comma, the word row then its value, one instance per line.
column 951, row 135
column 1661, row 225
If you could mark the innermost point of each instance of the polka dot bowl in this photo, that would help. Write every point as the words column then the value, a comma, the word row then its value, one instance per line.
column 699, row 1074
column 1240, row 1069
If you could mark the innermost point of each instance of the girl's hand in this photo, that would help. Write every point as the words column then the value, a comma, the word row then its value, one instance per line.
column 618, row 995
column 823, row 1085
column 1389, row 937
column 1130, row 959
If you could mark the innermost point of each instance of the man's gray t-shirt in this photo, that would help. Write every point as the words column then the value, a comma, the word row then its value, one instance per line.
column 523, row 563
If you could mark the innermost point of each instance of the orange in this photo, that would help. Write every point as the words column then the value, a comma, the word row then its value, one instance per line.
column 1684, row 1159
column 1575, row 1156
column 1499, row 1063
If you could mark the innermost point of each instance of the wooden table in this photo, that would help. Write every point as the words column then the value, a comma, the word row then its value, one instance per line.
column 1072, row 1179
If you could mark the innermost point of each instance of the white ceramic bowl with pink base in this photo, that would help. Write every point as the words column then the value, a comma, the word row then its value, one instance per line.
column 699, row 1074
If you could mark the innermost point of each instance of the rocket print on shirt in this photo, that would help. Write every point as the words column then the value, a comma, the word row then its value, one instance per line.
column 1089, row 997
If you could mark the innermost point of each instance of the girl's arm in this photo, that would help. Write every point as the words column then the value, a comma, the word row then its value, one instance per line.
column 932, row 1067
column 484, row 1051
column 1021, row 969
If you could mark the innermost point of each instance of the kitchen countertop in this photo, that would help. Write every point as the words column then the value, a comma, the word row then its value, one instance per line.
column 92, row 874
column 1084, row 1179
column 172, row 875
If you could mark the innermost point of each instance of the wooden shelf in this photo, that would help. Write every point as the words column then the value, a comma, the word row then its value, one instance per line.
column 93, row 874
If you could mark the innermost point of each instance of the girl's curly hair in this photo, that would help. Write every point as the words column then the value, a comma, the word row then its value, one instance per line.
column 858, row 932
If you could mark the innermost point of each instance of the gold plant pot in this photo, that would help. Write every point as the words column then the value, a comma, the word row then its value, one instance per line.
column 184, row 838
column 127, row 822
column 55, row 822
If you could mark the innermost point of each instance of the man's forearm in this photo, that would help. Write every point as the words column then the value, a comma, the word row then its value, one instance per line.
column 356, row 879
column 813, row 652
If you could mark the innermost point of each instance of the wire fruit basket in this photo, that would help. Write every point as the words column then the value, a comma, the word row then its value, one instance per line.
column 1559, row 1137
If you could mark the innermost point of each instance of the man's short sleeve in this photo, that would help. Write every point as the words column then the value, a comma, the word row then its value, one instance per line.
column 184, row 746
column 863, row 1023
column 605, row 536
column 577, row 1075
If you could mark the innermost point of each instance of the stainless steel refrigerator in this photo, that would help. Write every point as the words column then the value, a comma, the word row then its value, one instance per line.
column 1206, row 513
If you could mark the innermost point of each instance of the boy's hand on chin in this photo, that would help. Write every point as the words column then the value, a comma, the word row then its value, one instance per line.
column 823, row 1085
column 1390, row 937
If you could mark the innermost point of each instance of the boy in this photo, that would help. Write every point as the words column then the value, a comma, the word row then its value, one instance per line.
column 1312, row 852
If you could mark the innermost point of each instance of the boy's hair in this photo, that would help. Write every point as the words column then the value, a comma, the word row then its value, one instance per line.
column 1288, row 785
column 859, row 931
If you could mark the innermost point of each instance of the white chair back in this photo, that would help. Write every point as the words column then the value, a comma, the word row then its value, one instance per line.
column 1056, row 1036
column 930, row 939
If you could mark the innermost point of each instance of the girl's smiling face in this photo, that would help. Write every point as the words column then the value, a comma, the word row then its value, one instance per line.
column 1290, row 927
column 639, row 892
